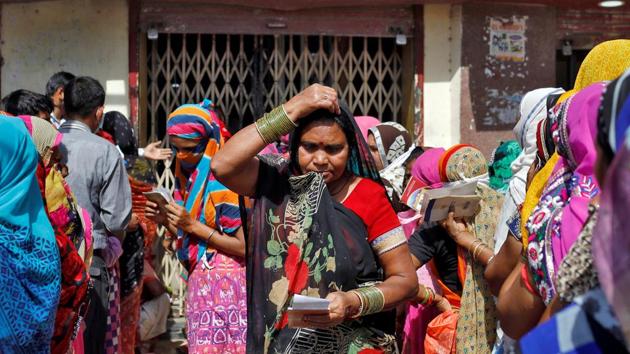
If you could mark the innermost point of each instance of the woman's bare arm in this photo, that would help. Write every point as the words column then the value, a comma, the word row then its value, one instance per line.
column 502, row 264
column 518, row 309
column 229, row 244
column 401, row 282
column 235, row 165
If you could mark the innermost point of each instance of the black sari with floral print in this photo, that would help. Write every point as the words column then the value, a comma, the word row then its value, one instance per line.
column 301, row 241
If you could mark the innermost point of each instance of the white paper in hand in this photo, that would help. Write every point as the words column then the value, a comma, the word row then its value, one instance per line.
column 160, row 196
column 305, row 305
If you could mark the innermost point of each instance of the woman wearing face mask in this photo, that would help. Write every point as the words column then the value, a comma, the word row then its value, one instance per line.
column 206, row 221
column 391, row 146
column 322, row 226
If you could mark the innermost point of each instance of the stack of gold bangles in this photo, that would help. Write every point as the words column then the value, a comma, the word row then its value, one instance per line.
column 274, row 124
column 372, row 300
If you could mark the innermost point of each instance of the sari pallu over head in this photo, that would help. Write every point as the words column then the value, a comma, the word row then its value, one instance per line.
column 62, row 207
column 394, row 147
column 205, row 198
column 301, row 241
column 557, row 220
column 605, row 62
column 533, row 111
column 65, row 218
column 30, row 277
column 476, row 327
column 139, row 169
column 426, row 167
column 500, row 168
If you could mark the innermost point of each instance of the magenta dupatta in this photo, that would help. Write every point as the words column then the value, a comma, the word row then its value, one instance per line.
column 577, row 147
column 426, row 168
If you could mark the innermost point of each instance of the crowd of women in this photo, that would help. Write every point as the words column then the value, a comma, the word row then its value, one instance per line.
column 309, row 200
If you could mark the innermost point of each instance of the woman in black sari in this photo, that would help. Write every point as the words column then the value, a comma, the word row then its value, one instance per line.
column 320, row 225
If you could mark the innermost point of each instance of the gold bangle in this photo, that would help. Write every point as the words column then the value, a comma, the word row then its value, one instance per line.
column 473, row 246
column 479, row 248
column 361, row 306
column 475, row 249
column 374, row 300
column 274, row 124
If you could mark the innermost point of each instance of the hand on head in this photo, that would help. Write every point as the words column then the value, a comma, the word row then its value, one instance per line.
column 311, row 99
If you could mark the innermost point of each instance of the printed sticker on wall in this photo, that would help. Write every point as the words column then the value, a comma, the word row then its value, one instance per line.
column 507, row 38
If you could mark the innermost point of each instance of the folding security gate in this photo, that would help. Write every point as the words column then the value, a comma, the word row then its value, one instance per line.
column 248, row 75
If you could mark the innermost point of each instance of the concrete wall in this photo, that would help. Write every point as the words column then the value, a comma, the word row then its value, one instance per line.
column 84, row 37
column 492, row 86
column 442, row 57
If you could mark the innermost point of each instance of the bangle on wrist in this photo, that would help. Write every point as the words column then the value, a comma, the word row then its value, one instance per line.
column 477, row 243
column 358, row 313
column 372, row 300
column 478, row 250
column 274, row 124
column 211, row 234
column 431, row 296
column 425, row 297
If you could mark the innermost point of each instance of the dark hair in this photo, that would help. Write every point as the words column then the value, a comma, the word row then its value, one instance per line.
column 60, row 79
column 25, row 102
column 82, row 96
column 322, row 115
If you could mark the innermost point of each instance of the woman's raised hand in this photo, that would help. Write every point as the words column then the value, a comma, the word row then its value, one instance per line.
column 455, row 227
column 311, row 99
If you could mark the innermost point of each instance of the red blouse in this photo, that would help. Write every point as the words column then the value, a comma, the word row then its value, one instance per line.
column 369, row 201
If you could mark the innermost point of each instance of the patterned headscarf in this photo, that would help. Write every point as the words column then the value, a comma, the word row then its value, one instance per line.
column 557, row 220
column 392, row 140
column 44, row 135
column 500, row 169
column 119, row 127
column 476, row 327
column 205, row 198
column 139, row 170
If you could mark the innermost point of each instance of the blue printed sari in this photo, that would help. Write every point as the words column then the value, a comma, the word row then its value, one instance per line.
column 29, row 260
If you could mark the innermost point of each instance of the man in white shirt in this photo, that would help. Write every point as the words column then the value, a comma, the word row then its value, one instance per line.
column 55, row 90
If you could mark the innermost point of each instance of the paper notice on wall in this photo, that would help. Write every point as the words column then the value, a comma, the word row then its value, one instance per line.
column 507, row 38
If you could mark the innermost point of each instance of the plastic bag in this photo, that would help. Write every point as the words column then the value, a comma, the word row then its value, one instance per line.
column 441, row 334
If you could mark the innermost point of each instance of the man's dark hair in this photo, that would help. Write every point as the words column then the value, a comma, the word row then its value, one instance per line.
column 25, row 102
column 60, row 79
column 82, row 96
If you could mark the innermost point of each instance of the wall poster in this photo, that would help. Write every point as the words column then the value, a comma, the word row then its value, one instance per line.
column 507, row 38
